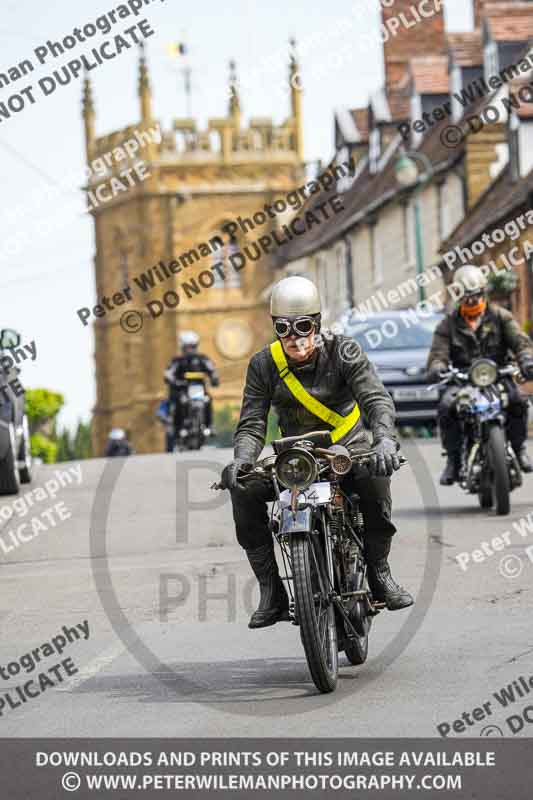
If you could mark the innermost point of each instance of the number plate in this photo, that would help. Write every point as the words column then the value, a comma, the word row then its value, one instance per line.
column 412, row 393
column 318, row 492
column 196, row 391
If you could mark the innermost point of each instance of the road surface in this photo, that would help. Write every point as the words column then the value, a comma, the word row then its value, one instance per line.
column 166, row 594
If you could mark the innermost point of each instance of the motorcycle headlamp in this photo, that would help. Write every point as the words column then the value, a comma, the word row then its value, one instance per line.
column 484, row 372
column 296, row 469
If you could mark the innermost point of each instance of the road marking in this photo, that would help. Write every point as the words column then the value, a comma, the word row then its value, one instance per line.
column 93, row 668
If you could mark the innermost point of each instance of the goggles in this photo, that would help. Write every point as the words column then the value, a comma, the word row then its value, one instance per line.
column 474, row 297
column 301, row 326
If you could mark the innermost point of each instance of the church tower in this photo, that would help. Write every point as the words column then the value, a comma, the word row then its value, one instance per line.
column 192, row 210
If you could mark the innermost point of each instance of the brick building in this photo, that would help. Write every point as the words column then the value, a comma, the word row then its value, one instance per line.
column 436, row 85
column 199, row 180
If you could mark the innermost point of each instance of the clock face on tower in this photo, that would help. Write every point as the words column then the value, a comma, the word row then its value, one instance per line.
column 234, row 339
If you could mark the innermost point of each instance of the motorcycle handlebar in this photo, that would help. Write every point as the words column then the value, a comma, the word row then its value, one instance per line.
column 358, row 457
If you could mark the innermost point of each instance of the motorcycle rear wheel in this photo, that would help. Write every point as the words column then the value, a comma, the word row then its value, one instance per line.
column 497, row 451
column 315, row 614
column 356, row 649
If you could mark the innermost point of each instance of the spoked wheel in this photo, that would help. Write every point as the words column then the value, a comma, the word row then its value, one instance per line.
column 315, row 613
column 500, row 472
column 356, row 648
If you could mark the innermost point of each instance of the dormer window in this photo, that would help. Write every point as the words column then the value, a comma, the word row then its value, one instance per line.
column 416, row 114
column 374, row 149
column 456, row 85
column 490, row 59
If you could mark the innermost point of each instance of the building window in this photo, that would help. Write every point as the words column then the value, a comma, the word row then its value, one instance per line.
column 374, row 149
column 342, row 282
column 232, row 278
column 409, row 245
column 443, row 198
column 322, row 283
column 456, row 82
column 491, row 60
column 377, row 257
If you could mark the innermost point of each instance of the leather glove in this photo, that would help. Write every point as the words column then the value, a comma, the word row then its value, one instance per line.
column 386, row 459
column 433, row 375
column 230, row 472
column 526, row 367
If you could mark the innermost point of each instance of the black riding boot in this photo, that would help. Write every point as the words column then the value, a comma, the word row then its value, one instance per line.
column 450, row 473
column 524, row 459
column 382, row 585
column 274, row 602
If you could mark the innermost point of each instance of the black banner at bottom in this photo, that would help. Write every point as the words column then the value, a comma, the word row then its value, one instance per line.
column 53, row 769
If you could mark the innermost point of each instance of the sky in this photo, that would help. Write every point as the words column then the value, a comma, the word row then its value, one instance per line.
column 46, row 238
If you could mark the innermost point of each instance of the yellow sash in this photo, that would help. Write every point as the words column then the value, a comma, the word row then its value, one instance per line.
column 341, row 425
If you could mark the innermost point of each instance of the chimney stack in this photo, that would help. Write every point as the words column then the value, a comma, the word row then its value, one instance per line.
column 406, row 34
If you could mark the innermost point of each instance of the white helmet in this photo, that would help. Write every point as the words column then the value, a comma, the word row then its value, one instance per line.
column 294, row 296
column 188, row 339
column 471, row 279
column 117, row 434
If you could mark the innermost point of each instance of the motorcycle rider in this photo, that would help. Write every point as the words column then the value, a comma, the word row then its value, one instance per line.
column 190, row 360
column 478, row 328
column 345, row 382
column 117, row 444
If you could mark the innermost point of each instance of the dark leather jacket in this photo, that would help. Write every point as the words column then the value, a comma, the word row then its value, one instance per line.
column 338, row 374
column 191, row 362
column 498, row 335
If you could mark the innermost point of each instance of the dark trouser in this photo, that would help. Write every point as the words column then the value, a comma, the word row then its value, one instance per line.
column 251, row 515
column 450, row 428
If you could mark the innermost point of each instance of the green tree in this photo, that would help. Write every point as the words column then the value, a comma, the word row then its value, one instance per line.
column 42, row 407
column 43, row 447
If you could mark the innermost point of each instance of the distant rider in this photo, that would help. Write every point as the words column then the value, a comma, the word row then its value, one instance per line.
column 348, row 386
column 117, row 444
column 190, row 360
column 477, row 329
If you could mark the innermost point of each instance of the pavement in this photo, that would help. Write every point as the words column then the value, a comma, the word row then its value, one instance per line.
column 148, row 559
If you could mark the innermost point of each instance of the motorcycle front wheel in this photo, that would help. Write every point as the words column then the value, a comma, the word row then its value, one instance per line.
column 497, row 450
column 315, row 613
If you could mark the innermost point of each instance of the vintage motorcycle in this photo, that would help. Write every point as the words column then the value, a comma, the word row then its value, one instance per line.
column 320, row 532
column 489, row 466
column 193, row 432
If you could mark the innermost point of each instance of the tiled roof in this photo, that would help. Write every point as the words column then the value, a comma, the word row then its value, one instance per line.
column 368, row 193
column 509, row 22
column 466, row 49
column 430, row 74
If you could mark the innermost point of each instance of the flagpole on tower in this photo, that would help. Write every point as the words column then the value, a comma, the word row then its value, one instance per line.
column 179, row 52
